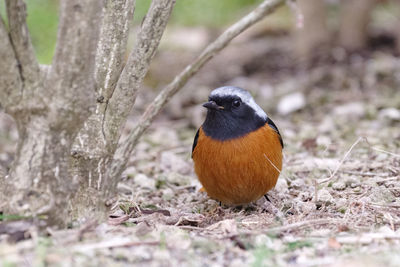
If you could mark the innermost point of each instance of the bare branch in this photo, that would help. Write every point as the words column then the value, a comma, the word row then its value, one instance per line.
column 112, row 45
column 21, row 41
column 137, row 66
column 10, row 80
column 124, row 151
column 71, row 79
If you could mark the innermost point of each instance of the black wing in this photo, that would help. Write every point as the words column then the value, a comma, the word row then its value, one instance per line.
column 273, row 126
column 195, row 141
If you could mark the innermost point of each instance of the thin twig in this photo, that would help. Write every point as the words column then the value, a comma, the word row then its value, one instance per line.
column 381, row 150
column 124, row 95
column 115, row 244
column 342, row 161
column 273, row 165
column 125, row 150
column 386, row 152
column 21, row 42
column 276, row 168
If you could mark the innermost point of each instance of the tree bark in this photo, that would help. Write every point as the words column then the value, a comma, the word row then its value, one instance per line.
column 355, row 15
column 97, row 141
column 53, row 104
column 69, row 115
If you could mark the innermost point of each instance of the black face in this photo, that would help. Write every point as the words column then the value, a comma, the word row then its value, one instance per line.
column 228, row 117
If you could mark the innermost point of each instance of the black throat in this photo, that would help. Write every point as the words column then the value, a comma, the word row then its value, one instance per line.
column 222, row 125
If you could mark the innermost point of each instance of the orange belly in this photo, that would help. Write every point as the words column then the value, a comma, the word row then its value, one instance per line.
column 241, row 170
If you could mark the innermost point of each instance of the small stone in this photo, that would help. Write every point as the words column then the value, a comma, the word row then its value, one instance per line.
column 171, row 162
column 281, row 185
column 381, row 157
column 144, row 181
column 129, row 172
column 341, row 202
column 297, row 184
column 178, row 179
column 352, row 182
column 389, row 114
column 357, row 189
column 307, row 207
column 327, row 125
column 311, row 163
column 325, row 196
column 354, row 110
column 167, row 194
column 291, row 103
column 339, row 186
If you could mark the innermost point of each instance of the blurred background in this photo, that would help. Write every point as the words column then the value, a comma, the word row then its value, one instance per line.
column 351, row 24
column 339, row 70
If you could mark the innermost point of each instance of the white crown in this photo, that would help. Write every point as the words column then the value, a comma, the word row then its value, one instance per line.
column 243, row 94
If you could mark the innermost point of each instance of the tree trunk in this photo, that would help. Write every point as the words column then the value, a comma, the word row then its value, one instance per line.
column 70, row 114
column 355, row 15
column 314, row 35
column 49, row 105
column 39, row 177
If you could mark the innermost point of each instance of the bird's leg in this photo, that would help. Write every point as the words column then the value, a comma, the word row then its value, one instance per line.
column 267, row 198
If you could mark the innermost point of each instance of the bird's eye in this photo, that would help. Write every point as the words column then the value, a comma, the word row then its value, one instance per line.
column 236, row 103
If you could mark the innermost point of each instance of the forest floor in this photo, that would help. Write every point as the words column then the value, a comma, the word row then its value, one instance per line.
column 336, row 202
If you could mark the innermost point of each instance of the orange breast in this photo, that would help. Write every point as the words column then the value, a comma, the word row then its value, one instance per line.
column 240, row 170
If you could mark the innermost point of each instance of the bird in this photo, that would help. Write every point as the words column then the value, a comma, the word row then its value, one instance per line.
column 237, row 151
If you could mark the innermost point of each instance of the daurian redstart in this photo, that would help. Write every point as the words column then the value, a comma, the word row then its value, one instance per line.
column 237, row 152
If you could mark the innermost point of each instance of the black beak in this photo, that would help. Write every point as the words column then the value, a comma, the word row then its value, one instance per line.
column 212, row 105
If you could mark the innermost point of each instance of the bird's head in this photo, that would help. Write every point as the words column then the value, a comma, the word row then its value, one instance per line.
column 232, row 112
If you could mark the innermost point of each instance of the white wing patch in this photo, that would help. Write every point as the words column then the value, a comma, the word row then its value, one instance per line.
column 243, row 94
